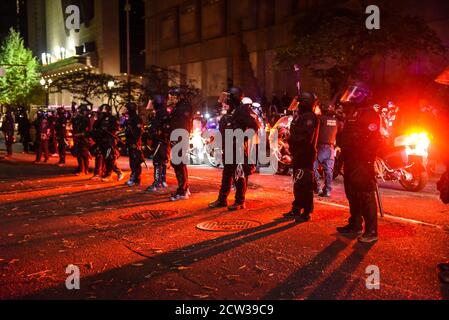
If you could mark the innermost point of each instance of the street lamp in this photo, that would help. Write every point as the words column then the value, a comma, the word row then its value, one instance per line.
column 111, row 84
column 46, row 85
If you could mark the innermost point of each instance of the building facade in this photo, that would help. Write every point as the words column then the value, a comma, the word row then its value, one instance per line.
column 219, row 42
column 95, row 45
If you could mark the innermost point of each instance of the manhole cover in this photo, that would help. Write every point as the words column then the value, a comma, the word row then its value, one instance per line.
column 228, row 225
column 148, row 215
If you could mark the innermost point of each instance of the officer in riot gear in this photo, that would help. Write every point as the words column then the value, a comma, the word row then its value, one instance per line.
column 133, row 132
column 94, row 149
column 109, row 126
column 327, row 137
column 24, row 129
column 239, row 116
column 302, row 141
column 80, row 138
column 42, row 137
column 159, row 135
column 360, row 140
column 8, row 131
column 61, row 132
column 53, row 144
column 180, row 118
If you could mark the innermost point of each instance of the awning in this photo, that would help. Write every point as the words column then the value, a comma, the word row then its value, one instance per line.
column 444, row 77
column 72, row 64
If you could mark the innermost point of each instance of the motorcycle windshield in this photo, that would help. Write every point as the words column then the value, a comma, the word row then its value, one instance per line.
column 354, row 94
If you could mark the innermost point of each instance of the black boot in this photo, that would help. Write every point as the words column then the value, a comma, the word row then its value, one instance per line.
column 164, row 176
column 157, row 180
column 220, row 203
column 237, row 206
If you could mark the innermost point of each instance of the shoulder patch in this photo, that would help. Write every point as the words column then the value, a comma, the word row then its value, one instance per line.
column 309, row 123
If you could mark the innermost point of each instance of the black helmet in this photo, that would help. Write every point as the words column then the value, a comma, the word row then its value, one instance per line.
column 235, row 93
column 175, row 91
column 83, row 108
column 356, row 94
column 328, row 108
column 132, row 107
column 158, row 99
column 106, row 108
column 307, row 100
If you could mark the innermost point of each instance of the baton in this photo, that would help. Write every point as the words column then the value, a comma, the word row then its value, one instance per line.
column 379, row 200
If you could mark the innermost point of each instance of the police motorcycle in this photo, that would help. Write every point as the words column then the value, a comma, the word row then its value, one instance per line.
column 281, row 148
column 213, row 153
column 196, row 143
column 403, row 158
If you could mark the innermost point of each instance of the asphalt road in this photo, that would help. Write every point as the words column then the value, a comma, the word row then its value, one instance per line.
column 51, row 219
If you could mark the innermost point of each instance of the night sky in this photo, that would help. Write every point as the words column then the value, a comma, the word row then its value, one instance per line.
column 9, row 18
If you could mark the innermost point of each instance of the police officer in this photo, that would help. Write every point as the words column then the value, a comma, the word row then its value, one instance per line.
column 8, row 131
column 133, row 132
column 81, row 133
column 239, row 116
column 327, row 137
column 53, row 144
column 180, row 118
column 42, row 137
column 159, row 135
column 109, row 126
column 302, row 143
column 24, row 129
column 360, row 140
column 99, row 168
column 61, row 132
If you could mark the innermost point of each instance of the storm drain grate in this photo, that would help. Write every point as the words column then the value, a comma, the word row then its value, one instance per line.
column 228, row 225
column 148, row 215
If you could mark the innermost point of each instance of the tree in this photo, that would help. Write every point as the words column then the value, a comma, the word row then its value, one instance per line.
column 158, row 80
column 21, row 71
column 86, row 86
column 83, row 85
column 334, row 41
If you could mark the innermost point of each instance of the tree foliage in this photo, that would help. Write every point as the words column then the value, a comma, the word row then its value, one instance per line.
column 158, row 80
column 21, row 71
column 334, row 41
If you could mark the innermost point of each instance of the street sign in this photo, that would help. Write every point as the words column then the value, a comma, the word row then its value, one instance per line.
column 2, row 72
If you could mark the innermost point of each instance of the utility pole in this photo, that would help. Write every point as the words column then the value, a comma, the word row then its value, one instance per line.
column 128, row 49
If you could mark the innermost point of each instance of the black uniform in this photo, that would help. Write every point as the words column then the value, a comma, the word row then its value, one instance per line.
column 302, row 141
column 241, row 117
column 95, row 150
column 109, row 126
column 360, row 142
column 61, row 133
column 181, row 118
column 133, row 131
column 42, row 138
column 24, row 130
column 8, row 131
column 81, row 142
column 53, row 143
column 159, row 135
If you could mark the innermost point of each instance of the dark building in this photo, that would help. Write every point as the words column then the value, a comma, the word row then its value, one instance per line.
column 14, row 15
column 217, row 42
column 99, row 44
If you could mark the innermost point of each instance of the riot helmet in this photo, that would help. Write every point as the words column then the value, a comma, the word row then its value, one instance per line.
column 307, row 101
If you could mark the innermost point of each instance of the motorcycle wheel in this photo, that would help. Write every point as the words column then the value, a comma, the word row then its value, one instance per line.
column 212, row 158
column 419, row 182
